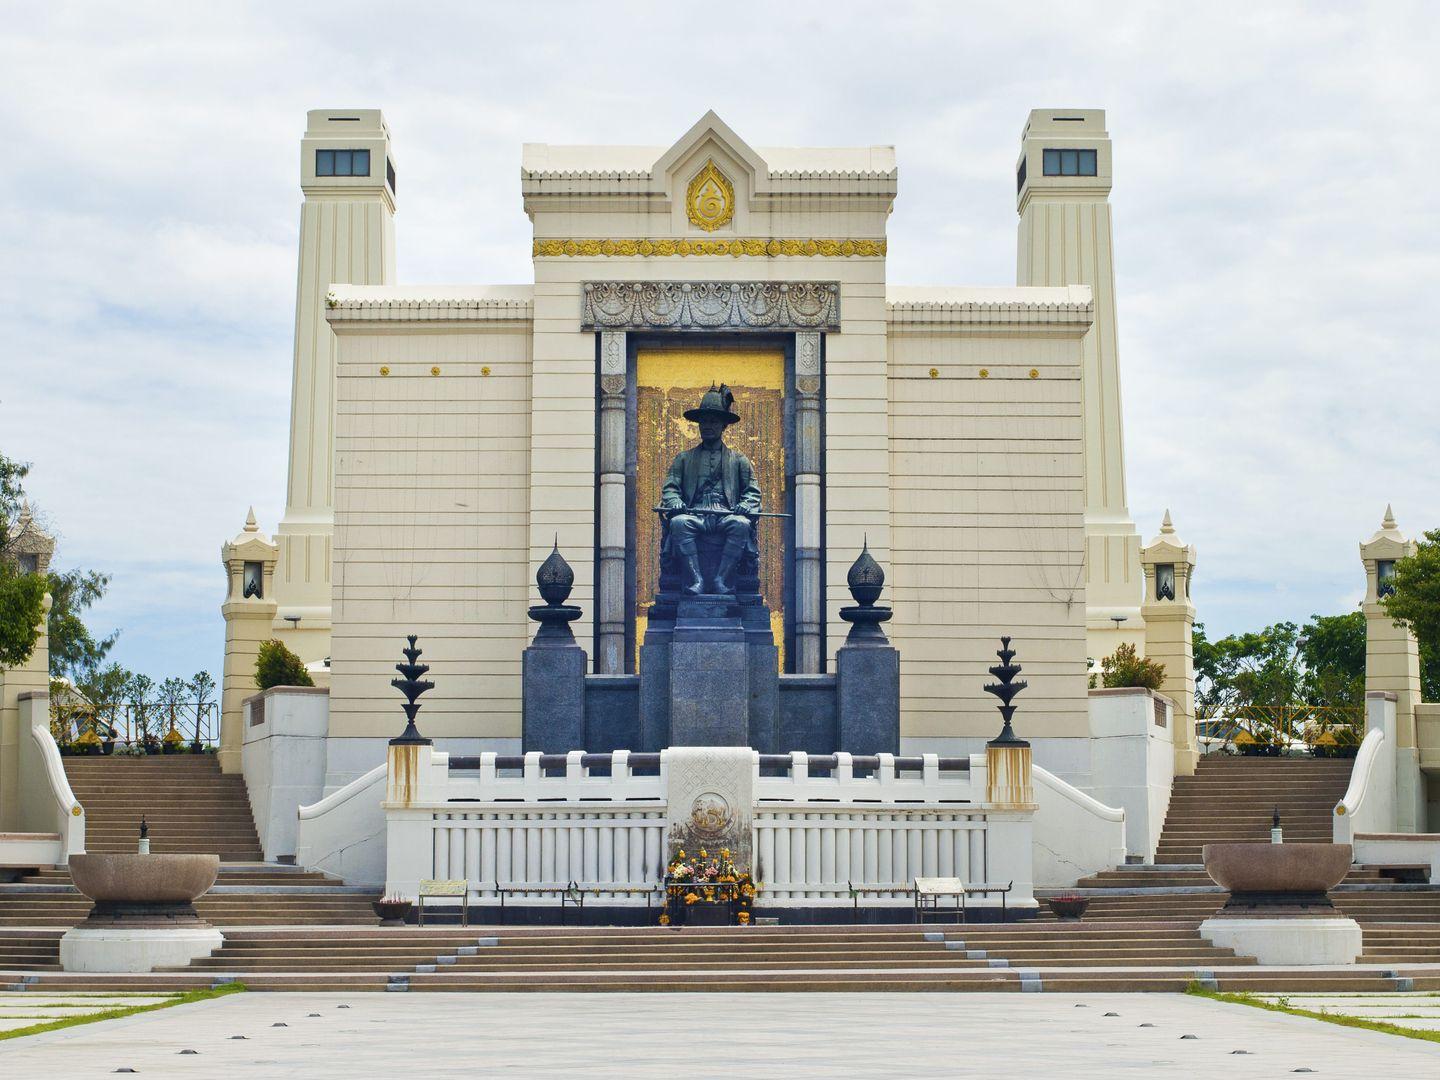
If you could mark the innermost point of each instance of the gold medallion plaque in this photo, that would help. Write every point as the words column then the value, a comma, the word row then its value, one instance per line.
column 710, row 199
column 669, row 381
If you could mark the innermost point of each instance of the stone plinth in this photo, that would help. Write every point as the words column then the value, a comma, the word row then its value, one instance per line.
column 1009, row 783
column 1298, row 941
column 867, row 698
column 709, row 674
column 710, row 792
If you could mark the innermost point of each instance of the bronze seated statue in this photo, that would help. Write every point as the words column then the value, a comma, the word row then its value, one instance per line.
column 709, row 505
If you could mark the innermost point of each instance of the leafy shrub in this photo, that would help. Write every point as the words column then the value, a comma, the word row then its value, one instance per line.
column 1129, row 668
column 278, row 666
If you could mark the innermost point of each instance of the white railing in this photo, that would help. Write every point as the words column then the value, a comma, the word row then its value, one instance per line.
column 883, row 786
column 47, row 800
column 819, row 855
column 344, row 833
column 534, row 784
column 1358, row 809
column 595, row 844
column 505, row 824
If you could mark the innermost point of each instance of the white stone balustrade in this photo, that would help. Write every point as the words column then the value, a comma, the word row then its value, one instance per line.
column 813, row 836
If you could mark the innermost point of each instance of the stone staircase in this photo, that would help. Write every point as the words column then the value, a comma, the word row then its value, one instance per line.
column 1231, row 799
column 1073, row 957
column 190, row 805
column 244, row 894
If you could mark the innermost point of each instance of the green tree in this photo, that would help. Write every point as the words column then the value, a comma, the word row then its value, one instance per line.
column 1128, row 668
column 1257, row 668
column 22, row 595
column 72, row 646
column 1415, row 602
column 1332, row 650
column 278, row 666
column 105, row 689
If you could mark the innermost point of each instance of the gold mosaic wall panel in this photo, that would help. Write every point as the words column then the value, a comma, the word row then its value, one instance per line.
column 671, row 380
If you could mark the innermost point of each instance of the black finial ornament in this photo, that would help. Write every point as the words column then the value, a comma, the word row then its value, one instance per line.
column 555, row 579
column 1275, row 818
column 1005, row 690
column 412, row 686
column 866, row 581
column 144, row 828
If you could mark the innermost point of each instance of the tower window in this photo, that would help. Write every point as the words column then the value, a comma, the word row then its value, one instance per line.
column 342, row 162
column 1020, row 178
column 390, row 174
column 1069, row 162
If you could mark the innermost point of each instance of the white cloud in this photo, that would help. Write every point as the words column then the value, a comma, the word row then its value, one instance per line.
column 1275, row 232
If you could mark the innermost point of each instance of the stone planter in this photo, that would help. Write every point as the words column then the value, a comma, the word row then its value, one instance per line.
column 1284, row 874
column 120, row 882
column 391, row 912
column 144, row 915
column 1279, row 911
column 1068, row 907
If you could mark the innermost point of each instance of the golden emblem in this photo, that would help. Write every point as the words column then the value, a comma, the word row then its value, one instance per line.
column 710, row 199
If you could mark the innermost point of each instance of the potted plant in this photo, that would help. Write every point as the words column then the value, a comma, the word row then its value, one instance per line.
column 1068, row 906
column 391, row 910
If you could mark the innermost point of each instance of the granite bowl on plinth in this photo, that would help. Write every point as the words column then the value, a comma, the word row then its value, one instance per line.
column 1277, row 870
column 143, row 880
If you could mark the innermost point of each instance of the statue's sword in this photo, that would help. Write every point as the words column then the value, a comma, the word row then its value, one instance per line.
column 716, row 511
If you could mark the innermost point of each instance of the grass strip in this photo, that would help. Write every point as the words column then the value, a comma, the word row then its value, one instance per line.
column 1329, row 1018
column 124, row 1011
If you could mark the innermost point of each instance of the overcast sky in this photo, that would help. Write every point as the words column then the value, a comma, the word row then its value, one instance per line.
column 1275, row 232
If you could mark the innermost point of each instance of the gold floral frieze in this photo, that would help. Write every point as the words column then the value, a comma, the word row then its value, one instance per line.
column 736, row 248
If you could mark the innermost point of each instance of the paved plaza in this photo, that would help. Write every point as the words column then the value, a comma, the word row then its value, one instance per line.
column 758, row 1035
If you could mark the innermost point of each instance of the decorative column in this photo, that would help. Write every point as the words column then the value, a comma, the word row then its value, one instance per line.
column 249, row 612
column 1392, row 665
column 1169, row 614
column 1009, row 785
column 809, row 602
column 867, row 669
column 610, row 578
column 552, row 681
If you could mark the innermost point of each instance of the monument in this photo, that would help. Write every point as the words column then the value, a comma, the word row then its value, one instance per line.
column 709, row 666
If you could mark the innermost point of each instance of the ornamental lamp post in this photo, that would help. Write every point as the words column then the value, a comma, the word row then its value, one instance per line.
column 1007, row 757
column 406, row 753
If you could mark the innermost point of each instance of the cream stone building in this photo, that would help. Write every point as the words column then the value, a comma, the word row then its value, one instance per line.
column 444, row 439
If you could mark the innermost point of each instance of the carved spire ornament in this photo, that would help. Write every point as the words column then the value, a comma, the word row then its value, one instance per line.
column 1005, row 690
column 412, row 687
column 866, row 581
column 554, row 579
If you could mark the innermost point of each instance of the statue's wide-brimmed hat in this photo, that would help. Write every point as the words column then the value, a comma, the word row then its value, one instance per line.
column 719, row 404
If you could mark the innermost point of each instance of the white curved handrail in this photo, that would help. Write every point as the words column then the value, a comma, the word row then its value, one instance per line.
column 68, row 809
column 343, row 795
column 1086, row 802
column 1351, row 802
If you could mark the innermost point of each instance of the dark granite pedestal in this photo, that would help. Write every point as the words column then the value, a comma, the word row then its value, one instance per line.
column 709, row 674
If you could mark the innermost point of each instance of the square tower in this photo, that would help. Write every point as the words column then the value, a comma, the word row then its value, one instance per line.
column 1062, row 191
